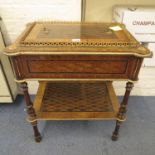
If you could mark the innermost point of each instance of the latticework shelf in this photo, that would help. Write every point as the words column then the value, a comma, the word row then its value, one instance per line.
column 76, row 101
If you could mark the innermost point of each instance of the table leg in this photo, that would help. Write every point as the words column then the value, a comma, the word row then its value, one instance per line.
column 122, row 111
column 31, row 112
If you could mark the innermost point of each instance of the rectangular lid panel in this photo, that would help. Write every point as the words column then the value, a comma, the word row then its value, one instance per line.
column 76, row 38
column 82, row 34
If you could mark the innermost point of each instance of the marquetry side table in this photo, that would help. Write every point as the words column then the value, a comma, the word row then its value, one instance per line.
column 75, row 64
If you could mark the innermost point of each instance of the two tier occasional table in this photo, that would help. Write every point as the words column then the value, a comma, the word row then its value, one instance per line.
column 75, row 64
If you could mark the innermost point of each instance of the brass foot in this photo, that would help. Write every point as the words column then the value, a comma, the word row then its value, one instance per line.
column 38, row 138
column 114, row 137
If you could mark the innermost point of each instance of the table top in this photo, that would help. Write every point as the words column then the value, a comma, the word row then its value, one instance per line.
column 76, row 38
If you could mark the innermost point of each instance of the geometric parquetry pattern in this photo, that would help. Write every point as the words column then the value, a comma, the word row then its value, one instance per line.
column 77, row 97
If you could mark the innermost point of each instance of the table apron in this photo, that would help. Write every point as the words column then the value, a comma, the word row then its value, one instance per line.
column 77, row 67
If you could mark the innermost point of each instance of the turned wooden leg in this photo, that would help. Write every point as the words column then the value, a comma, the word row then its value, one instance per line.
column 116, row 131
column 122, row 111
column 31, row 112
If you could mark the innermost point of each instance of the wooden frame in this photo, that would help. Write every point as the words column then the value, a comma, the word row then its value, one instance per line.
column 75, row 115
column 61, row 52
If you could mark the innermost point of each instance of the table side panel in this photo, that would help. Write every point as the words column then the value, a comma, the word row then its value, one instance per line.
column 76, row 66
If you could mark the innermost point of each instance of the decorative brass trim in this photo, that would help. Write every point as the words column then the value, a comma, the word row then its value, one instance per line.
column 78, row 44
column 121, row 119
column 79, row 53
column 31, row 120
column 61, row 79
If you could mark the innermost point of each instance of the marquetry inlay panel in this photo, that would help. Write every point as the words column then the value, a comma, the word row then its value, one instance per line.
column 77, row 97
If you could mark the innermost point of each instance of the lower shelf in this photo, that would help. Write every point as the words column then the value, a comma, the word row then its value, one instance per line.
column 76, row 101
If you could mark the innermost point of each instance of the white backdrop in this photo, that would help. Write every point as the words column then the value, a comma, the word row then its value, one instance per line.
column 16, row 13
